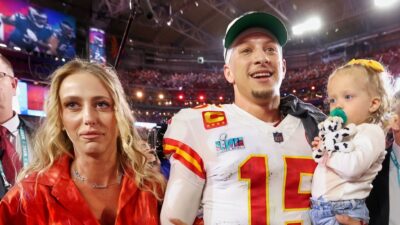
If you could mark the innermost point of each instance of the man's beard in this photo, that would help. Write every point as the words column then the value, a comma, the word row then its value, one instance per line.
column 262, row 94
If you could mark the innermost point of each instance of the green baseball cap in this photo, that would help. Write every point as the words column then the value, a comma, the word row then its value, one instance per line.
column 255, row 20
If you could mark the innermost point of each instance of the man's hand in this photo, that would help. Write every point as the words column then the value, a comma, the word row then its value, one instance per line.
column 347, row 220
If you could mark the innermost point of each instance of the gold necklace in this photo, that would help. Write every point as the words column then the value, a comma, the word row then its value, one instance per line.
column 78, row 177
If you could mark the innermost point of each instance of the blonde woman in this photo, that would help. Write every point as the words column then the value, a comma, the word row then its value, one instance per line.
column 89, row 168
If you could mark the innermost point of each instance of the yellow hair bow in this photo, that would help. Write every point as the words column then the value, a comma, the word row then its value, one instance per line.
column 369, row 63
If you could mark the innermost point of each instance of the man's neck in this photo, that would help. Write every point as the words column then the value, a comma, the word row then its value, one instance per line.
column 396, row 138
column 267, row 111
column 6, row 116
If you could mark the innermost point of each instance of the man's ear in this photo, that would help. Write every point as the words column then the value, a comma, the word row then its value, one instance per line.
column 228, row 74
column 283, row 67
column 14, row 84
column 375, row 104
column 394, row 123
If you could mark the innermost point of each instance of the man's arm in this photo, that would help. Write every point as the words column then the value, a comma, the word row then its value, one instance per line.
column 183, row 195
column 8, row 19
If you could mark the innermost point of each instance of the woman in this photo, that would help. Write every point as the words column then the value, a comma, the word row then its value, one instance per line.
column 89, row 168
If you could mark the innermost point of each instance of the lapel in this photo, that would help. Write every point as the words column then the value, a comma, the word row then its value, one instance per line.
column 68, row 196
column 65, row 192
column 128, row 191
column 3, row 188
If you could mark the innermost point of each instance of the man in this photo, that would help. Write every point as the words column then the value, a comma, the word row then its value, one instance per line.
column 248, row 162
column 32, row 32
column 384, row 200
column 63, row 41
column 14, row 136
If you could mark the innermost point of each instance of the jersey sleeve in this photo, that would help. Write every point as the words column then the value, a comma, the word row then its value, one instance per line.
column 18, row 20
column 369, row 144
column 187, row 176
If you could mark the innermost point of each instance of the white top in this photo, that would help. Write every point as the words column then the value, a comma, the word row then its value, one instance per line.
column 349, row 175
column 394, row 189
column 237, row 168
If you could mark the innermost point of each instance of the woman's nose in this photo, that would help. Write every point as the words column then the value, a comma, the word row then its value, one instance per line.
column 89, row 116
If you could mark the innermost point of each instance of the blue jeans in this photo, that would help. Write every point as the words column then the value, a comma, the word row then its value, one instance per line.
column 323, row 212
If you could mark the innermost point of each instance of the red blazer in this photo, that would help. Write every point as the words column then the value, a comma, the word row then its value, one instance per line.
column 58, row 201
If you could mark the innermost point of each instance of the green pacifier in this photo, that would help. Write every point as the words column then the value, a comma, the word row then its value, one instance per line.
column 340, row 113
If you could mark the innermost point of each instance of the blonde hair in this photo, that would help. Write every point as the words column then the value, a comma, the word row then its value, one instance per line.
column 51, row 141
column 379, row 82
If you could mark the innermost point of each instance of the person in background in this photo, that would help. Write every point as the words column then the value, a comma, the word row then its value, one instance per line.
column 347, row 166
column 383, row 202
column 32, row 31
column 15, row 132
column 62, row 41
column 88, row 166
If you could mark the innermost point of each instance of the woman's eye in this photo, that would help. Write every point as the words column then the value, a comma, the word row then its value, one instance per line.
column 71, row 105
column 103, row 105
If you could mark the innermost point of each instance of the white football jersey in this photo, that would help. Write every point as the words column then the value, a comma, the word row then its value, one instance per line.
column 240, row 169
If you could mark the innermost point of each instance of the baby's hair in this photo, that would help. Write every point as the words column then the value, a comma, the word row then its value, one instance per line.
column 379, row 82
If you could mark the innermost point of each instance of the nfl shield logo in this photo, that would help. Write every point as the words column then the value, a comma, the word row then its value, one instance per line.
column 278, row 137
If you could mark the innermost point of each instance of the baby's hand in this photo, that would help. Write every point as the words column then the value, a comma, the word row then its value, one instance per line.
column 315, row 143
column 318, row 152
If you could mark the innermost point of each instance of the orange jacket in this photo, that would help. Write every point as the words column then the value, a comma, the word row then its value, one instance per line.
column 58, row 201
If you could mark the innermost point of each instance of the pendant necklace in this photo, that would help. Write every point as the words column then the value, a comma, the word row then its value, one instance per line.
column 78, row 177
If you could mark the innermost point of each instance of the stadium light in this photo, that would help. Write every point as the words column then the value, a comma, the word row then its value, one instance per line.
column 384, row 3
column 311, row 24
column 16, row 48
column 139, row 94
column 169, row 22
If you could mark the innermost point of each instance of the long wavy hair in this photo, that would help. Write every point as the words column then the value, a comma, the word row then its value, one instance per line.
column 51, row 141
